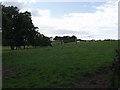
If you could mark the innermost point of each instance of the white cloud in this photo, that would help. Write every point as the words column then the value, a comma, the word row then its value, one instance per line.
column 58, row 0
column 39, row 13
column 20, row 1
column 20, row 5
column 99, row 25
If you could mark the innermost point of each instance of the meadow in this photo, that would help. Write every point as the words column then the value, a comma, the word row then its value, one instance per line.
column 56, row 66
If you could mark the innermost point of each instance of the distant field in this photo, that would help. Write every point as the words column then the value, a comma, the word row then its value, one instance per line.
column 57, row 66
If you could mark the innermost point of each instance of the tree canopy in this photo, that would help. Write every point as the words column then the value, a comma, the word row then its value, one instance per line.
column 66, row 39
column 18, row 29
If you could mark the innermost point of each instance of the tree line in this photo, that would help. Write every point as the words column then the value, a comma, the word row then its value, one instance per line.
column 18, row 29
column 65, row 39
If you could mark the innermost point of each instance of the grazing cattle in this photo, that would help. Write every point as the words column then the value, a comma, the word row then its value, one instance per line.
column 18, row 47
column 61, row 42
column 77, row 42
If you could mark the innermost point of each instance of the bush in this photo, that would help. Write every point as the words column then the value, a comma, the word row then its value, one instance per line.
column 115, row 79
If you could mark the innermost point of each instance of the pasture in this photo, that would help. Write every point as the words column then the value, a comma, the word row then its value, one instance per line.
column 57, row 66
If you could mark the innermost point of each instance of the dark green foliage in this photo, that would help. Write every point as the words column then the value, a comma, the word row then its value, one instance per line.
column 18, row 29
column 66, row 39
column 42, row 40
column 115, row 79
column 109, row 40
column 8, row 17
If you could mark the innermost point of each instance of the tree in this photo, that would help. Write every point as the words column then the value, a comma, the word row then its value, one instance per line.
column 73, row 38
column 66, row 39
column 42, row 40
column 56, row 38
column 9, row 15
column 26, row 31
column 18, row 29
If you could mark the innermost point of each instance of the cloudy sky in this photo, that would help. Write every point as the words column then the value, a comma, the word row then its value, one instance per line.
column 86, row 20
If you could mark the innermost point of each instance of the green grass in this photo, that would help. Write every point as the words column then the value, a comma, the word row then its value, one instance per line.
column 57, row 66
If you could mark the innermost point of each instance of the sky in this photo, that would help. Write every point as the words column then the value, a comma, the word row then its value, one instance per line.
column 86, row 20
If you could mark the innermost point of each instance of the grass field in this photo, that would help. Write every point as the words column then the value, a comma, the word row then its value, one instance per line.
column 57, row 66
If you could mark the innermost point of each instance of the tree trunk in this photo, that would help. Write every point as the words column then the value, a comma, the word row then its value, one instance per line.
column 24, row 46
column 12, row 47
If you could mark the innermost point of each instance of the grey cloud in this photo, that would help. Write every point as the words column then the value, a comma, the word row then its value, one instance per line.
column 59, row 32
column 70, row 32
column 62, row 31
column 46, row 28
column 88, row 36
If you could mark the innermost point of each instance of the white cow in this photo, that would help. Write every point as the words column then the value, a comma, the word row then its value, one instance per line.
column 77, row 42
